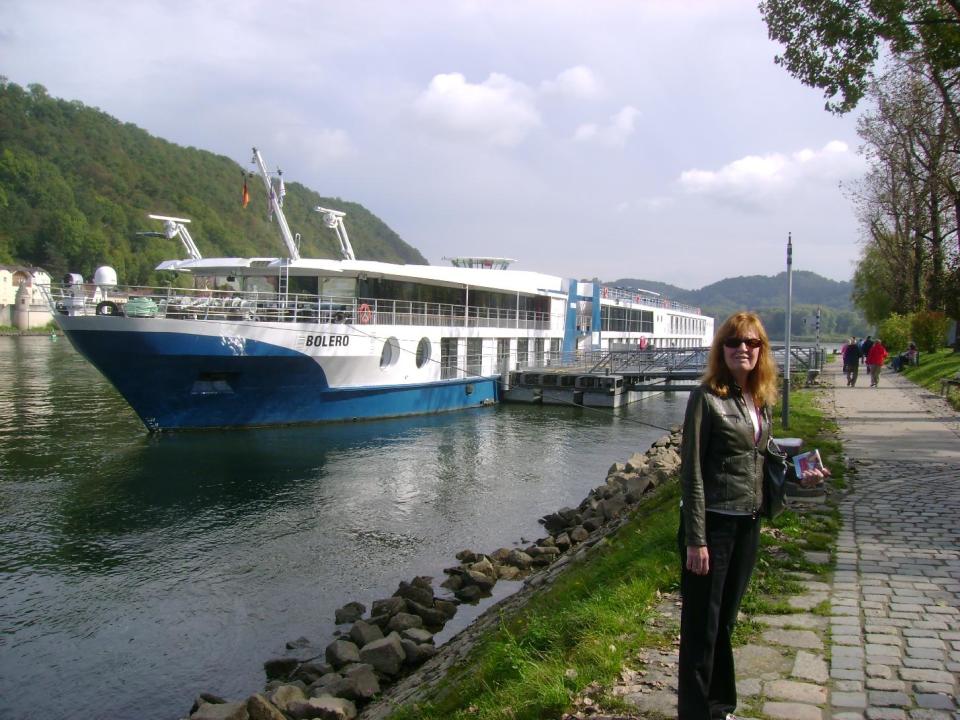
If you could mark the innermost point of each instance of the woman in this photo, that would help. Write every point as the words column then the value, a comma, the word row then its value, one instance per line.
column 875, row 358
column 725, row 435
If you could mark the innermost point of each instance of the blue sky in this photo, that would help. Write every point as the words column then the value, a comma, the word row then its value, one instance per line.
column 652, row 139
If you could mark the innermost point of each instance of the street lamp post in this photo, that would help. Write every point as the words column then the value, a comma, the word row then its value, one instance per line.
column 785, row 417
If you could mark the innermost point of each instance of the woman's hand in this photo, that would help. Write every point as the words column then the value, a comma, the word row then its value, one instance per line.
column 698, row 559
column 814, row 476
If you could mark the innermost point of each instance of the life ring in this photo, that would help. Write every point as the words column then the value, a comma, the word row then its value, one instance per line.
column 603, row 292
column 107, row 307
column 365, row 314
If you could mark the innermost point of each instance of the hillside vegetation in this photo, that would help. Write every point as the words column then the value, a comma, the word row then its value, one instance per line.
column 767, row 295
column 77, row 184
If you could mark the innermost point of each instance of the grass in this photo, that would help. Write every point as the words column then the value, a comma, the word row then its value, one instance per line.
column 932, row 368
column 584, row 629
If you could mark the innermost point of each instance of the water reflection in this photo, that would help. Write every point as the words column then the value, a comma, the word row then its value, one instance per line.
column 137, row 569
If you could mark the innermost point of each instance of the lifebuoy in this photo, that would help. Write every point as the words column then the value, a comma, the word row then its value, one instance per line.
column 365, row 313
column 107, row 307
column 603, row 292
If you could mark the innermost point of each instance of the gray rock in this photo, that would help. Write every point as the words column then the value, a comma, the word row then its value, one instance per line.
column 285, row 694
column 280, row 668
column 423, row 581
column 431, row 616
column 635, row 463
column 341, row 652
column 612, row 507
column 363, row 632
column 325, row 685
column 550, row 551
column 259, row 708
column 359, row 683
column 467, row 556
column 310, row 672
column 402, row 621
column 298, row 644
column 484, row 582
column 385, row 655
column 446, row 607
column 325, row 707
column 418, row 635
column 590, row 523
column 485, row 567
column 381, row 621
column 469, row 594
column 417, row 653
column 519, row 559
column 422, row 595
column 616, row 467
column 453, row 582
column 500, row 555
column 579, row 534
column 563, row 541
column 351, row 612
column 221, row 711
column 388, row 606
column 507, row 572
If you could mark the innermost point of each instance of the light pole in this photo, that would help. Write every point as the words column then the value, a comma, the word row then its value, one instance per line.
column 785, row 417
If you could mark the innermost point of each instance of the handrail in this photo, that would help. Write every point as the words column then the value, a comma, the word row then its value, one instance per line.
column 254, row 306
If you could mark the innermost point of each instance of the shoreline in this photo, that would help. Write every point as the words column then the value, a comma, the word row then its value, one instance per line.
column 388, row 657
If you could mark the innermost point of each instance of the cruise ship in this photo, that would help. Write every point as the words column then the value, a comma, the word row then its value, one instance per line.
column 291, row 340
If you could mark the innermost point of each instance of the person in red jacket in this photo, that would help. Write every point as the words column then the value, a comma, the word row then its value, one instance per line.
column 875, row 357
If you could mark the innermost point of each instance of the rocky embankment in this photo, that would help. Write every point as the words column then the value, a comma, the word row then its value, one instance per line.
column 388, row 656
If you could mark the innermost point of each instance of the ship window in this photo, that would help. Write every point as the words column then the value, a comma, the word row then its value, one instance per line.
column 424, row 350
column 391, row 353
column 213, row 384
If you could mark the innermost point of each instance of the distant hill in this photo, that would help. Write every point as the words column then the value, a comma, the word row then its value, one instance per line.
column 77, row 184
column 767, row 295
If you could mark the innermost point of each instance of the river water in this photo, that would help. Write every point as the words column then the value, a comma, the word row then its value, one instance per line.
column 137, row 571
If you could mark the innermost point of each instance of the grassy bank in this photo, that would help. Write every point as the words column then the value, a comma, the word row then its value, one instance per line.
column 587, row 626
column 934, row 367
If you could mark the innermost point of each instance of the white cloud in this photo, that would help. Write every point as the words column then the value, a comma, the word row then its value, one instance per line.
column 578, row 82
column 758, row 176
column 615, row 133
column 499, row 111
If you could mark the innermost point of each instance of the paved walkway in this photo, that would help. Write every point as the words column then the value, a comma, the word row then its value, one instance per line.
column 895, row 626
column 889, row 648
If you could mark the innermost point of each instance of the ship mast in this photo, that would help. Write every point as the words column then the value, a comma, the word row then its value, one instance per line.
column 288, row 240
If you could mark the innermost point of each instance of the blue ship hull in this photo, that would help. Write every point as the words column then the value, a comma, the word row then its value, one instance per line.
column 181, row 382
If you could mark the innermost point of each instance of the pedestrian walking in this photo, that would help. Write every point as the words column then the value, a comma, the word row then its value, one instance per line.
column 851, row 362
column 875, row 357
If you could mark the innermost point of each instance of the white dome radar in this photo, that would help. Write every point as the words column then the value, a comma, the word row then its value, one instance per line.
column 105, row 277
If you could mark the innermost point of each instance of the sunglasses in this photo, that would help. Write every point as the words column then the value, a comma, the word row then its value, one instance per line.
column 735, row 342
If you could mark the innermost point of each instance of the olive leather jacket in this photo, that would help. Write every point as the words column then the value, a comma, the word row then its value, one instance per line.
column 721, row 465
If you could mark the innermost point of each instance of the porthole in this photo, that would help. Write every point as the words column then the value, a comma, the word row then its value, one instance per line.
column 390, row 354
column 424, row 351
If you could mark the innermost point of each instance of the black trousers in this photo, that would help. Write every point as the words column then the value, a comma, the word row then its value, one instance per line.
column 707, row 680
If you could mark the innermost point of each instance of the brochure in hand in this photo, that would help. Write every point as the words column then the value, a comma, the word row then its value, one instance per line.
column 807, row 461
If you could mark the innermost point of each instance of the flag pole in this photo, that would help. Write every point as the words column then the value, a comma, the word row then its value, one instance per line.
column 785, row 417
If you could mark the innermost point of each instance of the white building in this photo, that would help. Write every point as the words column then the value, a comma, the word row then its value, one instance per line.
column 23, row 301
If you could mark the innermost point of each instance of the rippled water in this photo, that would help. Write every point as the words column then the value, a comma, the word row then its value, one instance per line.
column 139, row 570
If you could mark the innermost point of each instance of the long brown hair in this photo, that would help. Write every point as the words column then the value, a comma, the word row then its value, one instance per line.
column 762, row 380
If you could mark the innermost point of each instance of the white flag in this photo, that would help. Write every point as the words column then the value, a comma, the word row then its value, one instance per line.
column 283, row 191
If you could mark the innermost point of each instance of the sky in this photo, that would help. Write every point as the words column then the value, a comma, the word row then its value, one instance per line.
column 650, row 139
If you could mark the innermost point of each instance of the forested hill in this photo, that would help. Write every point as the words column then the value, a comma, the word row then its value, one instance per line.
column 76, row 186
column 767, row 295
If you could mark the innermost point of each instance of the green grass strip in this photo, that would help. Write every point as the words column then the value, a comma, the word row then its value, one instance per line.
column 934, row 367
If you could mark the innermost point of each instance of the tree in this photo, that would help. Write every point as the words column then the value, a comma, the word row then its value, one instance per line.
column 895, row 332
column 835, row 44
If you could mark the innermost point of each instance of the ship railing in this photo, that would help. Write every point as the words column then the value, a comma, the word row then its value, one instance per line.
column 268, row 306
column 639, row 298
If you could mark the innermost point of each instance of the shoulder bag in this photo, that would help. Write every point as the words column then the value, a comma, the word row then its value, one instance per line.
column 774, row 481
